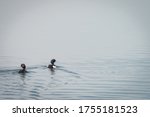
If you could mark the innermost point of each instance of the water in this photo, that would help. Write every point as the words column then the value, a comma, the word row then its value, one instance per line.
column 82, row 78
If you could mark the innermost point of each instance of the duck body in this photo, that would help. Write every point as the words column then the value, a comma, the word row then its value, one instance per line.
column 22, row 71
column 52, row 65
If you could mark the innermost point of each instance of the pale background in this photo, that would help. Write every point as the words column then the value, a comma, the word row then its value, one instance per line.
column 73, row 28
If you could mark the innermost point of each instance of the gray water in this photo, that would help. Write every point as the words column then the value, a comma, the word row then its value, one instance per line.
column 83, row 78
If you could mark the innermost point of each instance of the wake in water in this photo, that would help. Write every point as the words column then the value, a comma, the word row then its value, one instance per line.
column 32, row 69
column 95, row 79
column 68, row 71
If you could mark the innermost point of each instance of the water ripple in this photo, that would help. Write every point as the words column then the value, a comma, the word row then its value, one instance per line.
column 96, row 79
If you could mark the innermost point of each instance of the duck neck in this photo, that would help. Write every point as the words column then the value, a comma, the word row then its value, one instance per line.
column 24, row 69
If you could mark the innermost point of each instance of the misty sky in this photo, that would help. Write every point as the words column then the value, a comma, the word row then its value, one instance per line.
column 64, row 28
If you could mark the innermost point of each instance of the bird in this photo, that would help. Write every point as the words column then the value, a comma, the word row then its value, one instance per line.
column 52, row 65
column 23, row 70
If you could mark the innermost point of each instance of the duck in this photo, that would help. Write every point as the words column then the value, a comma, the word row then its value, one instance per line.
column 23, row 70
column 52, row 65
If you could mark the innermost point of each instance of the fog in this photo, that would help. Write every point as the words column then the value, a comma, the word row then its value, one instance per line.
column 74, row 28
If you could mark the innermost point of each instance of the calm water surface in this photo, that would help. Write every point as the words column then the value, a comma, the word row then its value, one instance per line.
column 77, row 79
